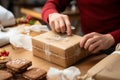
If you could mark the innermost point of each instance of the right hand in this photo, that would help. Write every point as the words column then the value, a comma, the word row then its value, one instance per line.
column 95, row 42
column 60, row 23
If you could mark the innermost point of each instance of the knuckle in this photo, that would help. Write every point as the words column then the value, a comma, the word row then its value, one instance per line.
column 51, row 21
column 60, row 18
column 89, row 41
column 91, row 48
column 62, row 26
column 85, row 37
column 65, row 16
column 57, row 28
column 68, row 24
column 94, row 33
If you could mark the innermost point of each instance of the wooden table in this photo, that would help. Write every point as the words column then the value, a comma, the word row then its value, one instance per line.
column 31, row 12
column 83, row 65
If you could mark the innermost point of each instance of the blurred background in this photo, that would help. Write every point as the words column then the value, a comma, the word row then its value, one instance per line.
column 16, row 5
column 34, row 7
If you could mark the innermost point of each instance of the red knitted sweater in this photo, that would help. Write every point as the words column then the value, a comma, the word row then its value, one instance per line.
column 101, row 16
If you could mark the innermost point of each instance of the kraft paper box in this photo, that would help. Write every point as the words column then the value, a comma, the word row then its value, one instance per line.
column 59, row 49
column 106, row 69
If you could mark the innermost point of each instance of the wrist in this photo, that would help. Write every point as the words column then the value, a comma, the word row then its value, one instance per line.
column 111, row 39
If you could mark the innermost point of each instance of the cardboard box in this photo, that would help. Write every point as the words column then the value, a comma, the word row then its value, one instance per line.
column 59, row 49
column 106, row 69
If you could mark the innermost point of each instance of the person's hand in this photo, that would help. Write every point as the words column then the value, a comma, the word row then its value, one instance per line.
column 94, row 42
column 60, row 23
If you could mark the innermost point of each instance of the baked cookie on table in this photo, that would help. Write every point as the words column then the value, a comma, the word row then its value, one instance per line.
column 4, row 75
column 35, row 74
column 18, row 65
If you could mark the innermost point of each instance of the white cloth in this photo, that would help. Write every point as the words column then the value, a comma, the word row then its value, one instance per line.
column 3, row 39
column 24, row 41
column 70, row 73
column 6, row 17
column 21, row 41
column 14, row 36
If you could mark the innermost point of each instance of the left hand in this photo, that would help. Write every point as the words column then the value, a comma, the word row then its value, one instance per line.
column 94, row 42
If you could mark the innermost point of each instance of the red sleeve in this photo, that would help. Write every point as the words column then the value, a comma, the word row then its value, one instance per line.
column 53, row 6
column 116, row 36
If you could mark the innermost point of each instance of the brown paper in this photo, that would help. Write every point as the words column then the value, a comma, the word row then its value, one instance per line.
column 59, row 49
column 107, row 69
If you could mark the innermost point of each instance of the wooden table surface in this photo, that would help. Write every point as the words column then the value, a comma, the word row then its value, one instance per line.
column 31, row 12
column 83, row 65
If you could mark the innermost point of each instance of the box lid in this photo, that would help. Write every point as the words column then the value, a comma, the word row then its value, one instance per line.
column 57, row 43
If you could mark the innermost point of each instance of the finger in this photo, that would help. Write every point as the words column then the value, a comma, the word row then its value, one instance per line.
column 62, row 25
column 97, row 49
column 93, row 46
column 92, row 40
column 84, row 39
column 68, row 25
column 51, row 22
column 89, row 42
column 57, row 26
column 99, row 46
column 52, row 25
